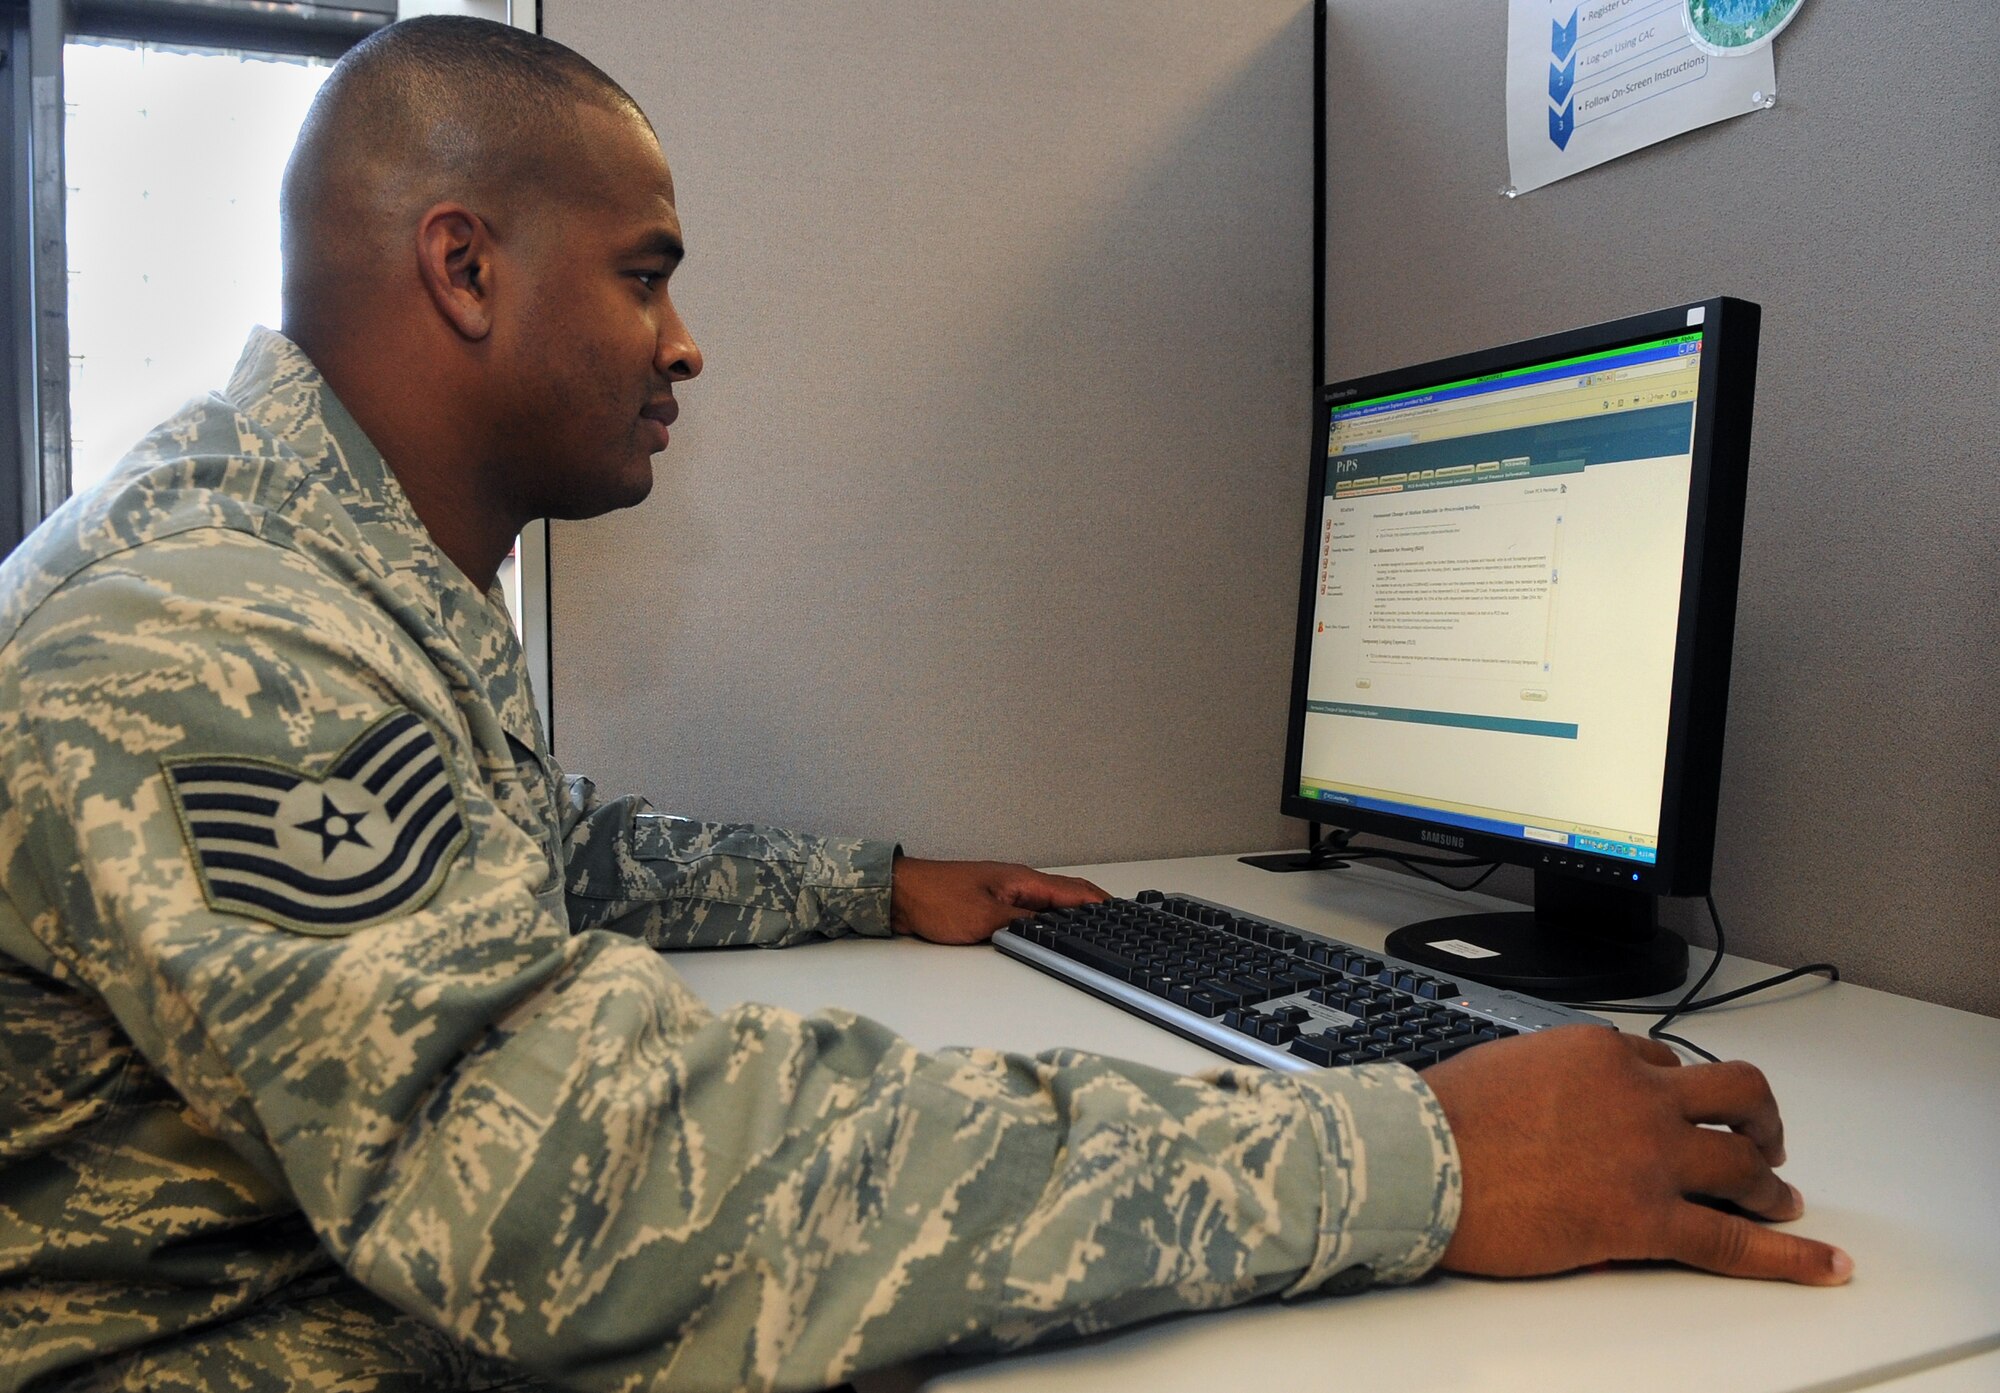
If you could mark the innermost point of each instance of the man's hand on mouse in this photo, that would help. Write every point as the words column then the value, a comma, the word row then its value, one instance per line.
column 1582, row 1145
column 970, row 901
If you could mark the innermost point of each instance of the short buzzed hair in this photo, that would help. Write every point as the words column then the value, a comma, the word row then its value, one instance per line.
column 436, row 107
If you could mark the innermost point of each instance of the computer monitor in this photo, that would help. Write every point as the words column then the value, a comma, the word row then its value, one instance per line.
column 1515, row 616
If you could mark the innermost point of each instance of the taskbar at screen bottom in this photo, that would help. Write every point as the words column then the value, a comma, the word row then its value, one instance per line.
column 1517, row 831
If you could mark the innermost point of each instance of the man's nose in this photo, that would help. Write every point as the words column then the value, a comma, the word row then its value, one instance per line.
column 679, row 358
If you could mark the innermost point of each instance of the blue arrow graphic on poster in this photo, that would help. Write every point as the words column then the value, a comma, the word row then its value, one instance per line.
column 1562, row 37
column 1562, row 78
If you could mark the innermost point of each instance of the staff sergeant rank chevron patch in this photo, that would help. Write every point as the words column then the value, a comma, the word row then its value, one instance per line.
column 369, row 839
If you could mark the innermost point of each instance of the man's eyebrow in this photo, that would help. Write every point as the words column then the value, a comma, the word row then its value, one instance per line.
column 661, row 243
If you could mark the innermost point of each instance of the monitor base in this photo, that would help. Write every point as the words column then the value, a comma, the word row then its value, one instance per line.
column 1295, row 861
column 1523, row 952
column 1322, row 853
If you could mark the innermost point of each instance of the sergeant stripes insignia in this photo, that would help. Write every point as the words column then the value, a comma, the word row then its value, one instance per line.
column 370, row 838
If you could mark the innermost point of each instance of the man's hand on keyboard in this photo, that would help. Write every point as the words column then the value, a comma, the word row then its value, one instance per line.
column 1581, row 1145
column 970, row 901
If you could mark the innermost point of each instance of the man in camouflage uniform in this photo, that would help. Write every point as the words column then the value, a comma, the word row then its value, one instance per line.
column 334, row 1052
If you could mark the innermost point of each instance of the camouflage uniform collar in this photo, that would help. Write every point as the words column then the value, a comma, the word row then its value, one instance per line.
column 279, row 389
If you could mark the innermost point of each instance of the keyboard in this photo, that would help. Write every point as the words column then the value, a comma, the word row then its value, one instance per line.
column 1268, row 993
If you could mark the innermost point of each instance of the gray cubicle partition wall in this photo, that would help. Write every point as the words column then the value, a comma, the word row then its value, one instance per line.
column 1861, row 796
column 980, row 528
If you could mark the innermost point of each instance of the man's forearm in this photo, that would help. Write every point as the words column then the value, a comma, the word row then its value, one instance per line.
column 763, row 1200
column 678, row 883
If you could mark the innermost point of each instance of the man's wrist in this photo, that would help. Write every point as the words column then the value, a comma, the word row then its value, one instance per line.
column 867, row 899
column 1390, row 1178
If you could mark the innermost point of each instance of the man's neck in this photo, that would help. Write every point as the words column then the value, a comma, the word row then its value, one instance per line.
column 435, row 459
column 462, row 523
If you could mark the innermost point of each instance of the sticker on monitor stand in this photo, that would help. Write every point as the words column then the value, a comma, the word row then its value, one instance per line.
column 1462, row 948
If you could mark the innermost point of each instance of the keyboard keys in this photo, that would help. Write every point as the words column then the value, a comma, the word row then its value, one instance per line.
column 1314, row 1049
column 1222, row 966
column 1210, row 1003
column 1082, row 950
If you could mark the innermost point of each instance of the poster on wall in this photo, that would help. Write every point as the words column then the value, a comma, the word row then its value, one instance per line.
column 1730, row 27
column 1590, row 80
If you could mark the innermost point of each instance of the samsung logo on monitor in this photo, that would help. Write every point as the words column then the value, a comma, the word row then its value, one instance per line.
column 1440, row 839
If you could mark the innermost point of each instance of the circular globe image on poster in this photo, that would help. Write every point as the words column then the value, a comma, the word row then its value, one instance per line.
column 1730, row 27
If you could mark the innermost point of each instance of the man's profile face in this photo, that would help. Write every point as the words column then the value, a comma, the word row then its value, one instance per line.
column 595, row 344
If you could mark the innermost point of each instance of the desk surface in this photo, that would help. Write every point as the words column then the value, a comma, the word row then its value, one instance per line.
column 1979, row 1373
column 1892, row 1112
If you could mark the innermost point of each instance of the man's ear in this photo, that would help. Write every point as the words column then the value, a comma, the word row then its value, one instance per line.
column 455, row 259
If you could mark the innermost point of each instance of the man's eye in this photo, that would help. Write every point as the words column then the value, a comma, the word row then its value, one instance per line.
column 649, row 279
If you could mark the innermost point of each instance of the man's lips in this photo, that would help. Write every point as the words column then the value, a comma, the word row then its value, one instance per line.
column 661, row 414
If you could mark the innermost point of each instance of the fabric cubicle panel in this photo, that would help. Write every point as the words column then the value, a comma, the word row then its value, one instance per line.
column 980, row 529
column 1861, row 790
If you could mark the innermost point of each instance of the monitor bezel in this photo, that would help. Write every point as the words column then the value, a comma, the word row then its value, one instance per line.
column 1711, row 555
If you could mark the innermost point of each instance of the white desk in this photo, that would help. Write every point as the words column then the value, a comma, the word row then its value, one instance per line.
column 1892, row 1112
column 1980, row 1373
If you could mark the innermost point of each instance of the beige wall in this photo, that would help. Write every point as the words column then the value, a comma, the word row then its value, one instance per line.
column 1860, row 814
column 980, row 528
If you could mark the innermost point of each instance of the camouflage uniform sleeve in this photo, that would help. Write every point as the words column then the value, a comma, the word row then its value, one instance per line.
column 679, row 883
column 543, row 1144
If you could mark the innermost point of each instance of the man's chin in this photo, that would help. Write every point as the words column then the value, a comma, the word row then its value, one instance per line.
column 609, row 496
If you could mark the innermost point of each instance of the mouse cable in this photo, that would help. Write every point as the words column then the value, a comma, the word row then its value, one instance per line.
column 1693, row 1001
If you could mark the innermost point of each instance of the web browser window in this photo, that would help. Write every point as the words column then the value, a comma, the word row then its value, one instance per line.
column 1498, row 599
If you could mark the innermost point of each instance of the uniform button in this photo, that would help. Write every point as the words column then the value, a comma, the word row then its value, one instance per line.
column 1350, row 1280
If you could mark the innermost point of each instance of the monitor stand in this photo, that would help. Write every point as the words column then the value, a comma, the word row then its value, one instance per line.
column 1314, row 859
column 1321, row 853
column 1581, row 942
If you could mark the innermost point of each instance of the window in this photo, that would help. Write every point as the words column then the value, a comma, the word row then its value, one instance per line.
column 145, row 141
column 174, row 156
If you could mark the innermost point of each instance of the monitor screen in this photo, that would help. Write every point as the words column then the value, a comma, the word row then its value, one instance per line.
column 1499, row 595
column 1518, row 594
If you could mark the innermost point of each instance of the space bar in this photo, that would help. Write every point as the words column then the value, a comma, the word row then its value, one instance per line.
column 1091, row 955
